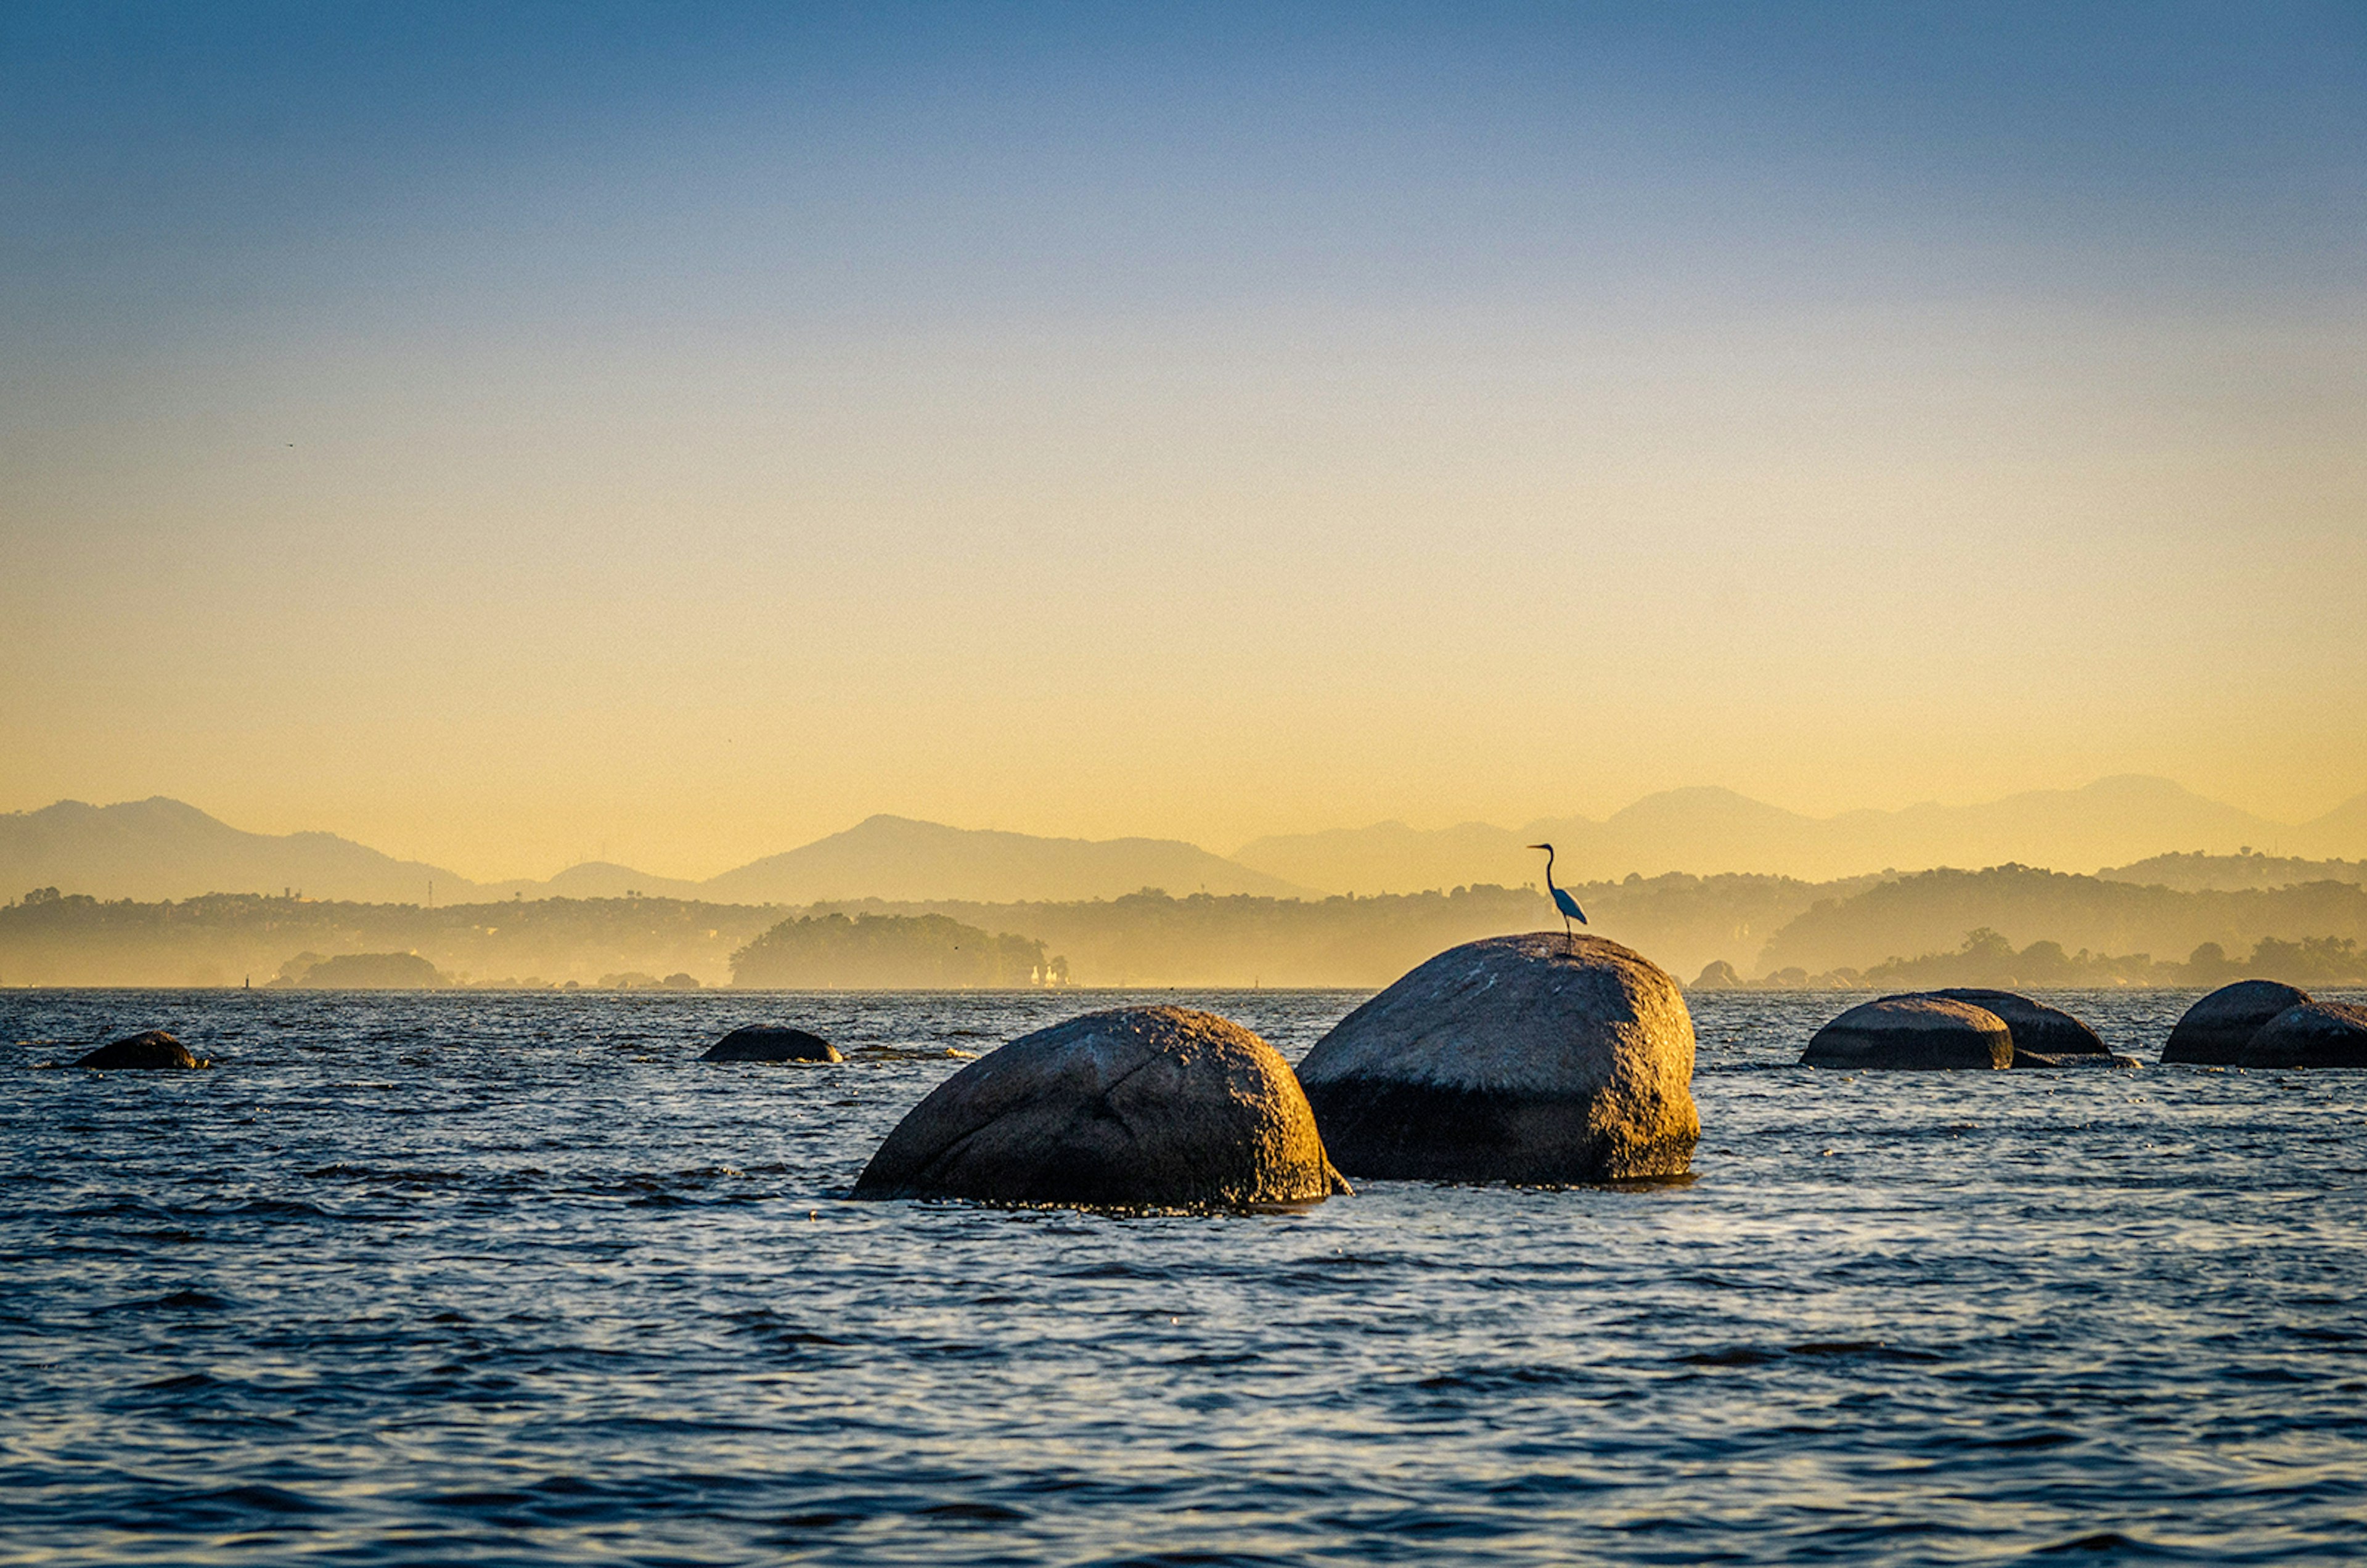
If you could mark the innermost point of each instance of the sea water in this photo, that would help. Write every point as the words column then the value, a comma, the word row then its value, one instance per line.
column 516, row 1279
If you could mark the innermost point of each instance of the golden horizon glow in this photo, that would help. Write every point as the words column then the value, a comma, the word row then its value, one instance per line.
column 679, row 497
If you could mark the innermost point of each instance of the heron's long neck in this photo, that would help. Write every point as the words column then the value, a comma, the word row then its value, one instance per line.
column 1548, row 871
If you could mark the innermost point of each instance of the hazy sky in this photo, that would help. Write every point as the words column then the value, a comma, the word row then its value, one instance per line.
column 509, row 434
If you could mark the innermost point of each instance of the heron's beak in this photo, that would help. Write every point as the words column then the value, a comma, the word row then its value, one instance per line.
column 1540, row 846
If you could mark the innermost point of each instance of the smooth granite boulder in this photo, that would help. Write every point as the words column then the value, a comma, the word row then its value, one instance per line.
column 151, row 1049
column 2215, row 1030
column 1532, row 1058
column 762, row 1043
column 1912, row 1033
column 2310, row 1034
column 2043, row 1036
column 1141, row 1108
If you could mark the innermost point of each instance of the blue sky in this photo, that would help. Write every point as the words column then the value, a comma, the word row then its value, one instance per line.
column 154, row 150
column 1279, row 382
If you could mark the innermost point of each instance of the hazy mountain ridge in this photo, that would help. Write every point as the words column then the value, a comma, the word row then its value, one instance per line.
column 2207, row 873
column 162, row 849
column 1708, row 830
column 897, row 857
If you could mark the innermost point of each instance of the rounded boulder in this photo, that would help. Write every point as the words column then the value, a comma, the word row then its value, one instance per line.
column 2043, row 1036
column 152, row 1049
column 1534, row 1059
column 2215, row 1030
column 1912, row 1033
column 1146, row 1108
column 2310, row 1034
column 761, row 1042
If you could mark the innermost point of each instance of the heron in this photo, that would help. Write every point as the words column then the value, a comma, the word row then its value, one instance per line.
column 1562, row 901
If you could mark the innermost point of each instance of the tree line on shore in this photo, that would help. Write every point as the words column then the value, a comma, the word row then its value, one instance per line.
column 2007, row 924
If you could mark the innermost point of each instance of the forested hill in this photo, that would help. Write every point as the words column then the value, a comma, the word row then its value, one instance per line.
column 227, row 939
column 1760, row 925
column 1935, row 911
column 2199, row 873
column 1145, row 938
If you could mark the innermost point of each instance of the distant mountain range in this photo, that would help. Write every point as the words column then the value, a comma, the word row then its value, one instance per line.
column 157, row 848
column 895, row 857
column 160, row 849
column 1708, row 830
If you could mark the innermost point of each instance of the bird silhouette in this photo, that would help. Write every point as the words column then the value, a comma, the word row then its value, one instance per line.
column 1562, row 901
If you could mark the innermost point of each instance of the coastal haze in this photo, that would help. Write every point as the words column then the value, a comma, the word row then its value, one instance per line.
column 1722, row 889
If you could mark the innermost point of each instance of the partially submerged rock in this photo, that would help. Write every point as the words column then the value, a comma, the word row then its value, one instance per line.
column 1912, row 1033
column 762, row 1043
column 2215, row 1030
column 2049, row 1036
column 1517, row 1058
column 150, row 1049
column 1141, row 1108
column 2022, row 1058
column 2310, row 1034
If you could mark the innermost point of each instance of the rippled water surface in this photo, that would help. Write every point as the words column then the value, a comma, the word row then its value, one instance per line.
column 479, row 1279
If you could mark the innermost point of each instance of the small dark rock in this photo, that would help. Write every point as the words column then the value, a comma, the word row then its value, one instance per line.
column 2216, row 1029
column 1912, row 1033
column 2049, row 1032
column 2311, row 1034
column 155, row 1048
column 2022, row 1058
column 762, row 1043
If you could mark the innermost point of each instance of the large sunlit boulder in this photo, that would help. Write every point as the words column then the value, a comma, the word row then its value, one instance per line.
column 1911, row 1033
column 1536, row 1058
column 1141, row 1108
column 2215, row 1030
column 2310, row 1034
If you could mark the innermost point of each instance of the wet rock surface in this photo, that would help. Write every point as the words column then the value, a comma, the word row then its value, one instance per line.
column 2037, row 1029
column 1913, row 1033
column 2215, row 1030
column 1530, row 1059
column 1154, row 1107
column 2311, row 1034
column 149, row 1050
column 762, row 1042
column 2022, row 1058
